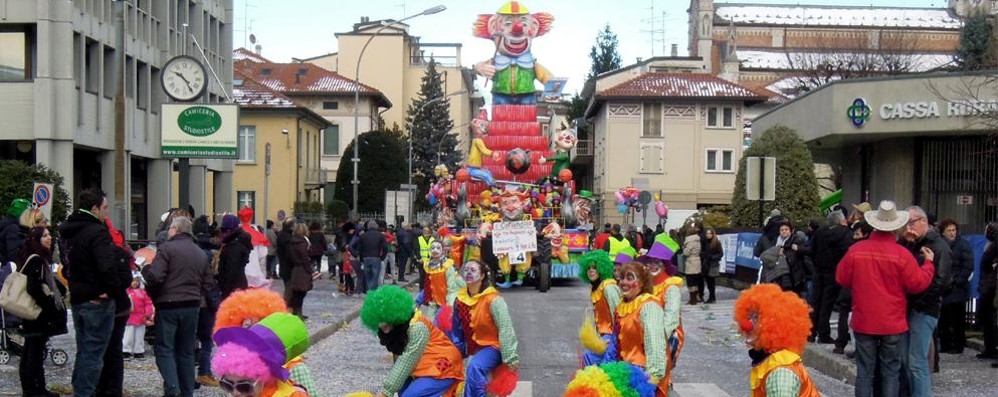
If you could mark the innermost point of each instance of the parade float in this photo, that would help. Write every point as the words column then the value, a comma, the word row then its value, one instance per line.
column 515, row 183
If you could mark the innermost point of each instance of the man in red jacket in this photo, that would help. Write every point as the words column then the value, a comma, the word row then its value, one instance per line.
column 882, row 274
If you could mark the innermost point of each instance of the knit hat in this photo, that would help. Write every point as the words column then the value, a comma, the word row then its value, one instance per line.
column 229, row 222
column 275, row 340
column 17, row 206
column 618, row 378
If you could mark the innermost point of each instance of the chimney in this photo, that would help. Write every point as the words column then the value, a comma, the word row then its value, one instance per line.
column 365, row 19
column 675, row 50
column 638, row 60
column 259, row 49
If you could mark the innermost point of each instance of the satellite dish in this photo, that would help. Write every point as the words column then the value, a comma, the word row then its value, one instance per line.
column 252, row 38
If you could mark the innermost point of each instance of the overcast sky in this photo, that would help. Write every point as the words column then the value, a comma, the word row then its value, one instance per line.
column 306, row 28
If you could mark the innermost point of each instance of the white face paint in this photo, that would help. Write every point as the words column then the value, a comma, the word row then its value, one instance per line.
column 436, row 250
column 471, row 274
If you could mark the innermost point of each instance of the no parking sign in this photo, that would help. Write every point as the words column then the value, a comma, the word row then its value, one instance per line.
column 41, row 196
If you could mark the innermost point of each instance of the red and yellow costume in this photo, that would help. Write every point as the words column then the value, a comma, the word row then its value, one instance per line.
column 639, row 338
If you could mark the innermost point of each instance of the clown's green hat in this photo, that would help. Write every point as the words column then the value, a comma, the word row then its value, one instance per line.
column 277, row 339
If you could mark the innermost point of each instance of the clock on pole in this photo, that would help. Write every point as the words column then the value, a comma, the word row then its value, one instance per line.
column 184, row 78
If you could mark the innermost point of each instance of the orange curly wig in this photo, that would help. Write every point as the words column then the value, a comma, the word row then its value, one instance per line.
column 783, row 318
column 253, row 304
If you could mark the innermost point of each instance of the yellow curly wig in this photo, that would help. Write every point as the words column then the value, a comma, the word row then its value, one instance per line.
column 253, row 304
column 783, row 318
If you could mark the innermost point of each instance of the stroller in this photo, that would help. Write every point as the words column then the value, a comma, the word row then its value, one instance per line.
column 12, row 344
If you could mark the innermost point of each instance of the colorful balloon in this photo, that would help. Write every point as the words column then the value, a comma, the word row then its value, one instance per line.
column 565, row 175
column 660, row 209
column 620, row 197
column 621, row 208
column 462, row 175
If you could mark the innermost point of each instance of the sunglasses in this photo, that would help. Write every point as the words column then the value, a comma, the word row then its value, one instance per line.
column 243, row 387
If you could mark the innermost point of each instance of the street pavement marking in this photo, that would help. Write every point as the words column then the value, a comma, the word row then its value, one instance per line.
column 697, row 390
column 523, row 389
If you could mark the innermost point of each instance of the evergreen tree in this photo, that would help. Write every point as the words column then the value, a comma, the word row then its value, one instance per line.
column 433, row 142
column 975, row 49
column 604, row 54
column 17, row 179
column 382, row 167
column 796, row 185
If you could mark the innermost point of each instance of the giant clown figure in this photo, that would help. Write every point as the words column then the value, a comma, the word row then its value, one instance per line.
column 513, row 69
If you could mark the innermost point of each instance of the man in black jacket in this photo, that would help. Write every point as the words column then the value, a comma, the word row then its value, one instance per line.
column 283, row 256
column 923, row 308
column 371, row 249
column 828, row 245
column 94, row 285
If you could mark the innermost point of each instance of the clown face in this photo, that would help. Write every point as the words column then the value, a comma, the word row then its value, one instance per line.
column 512, row 207
column 583, row 210
column 484, row 230
column 654, row 267
column 436, row 251
column 472, row 274
column 630, row 284
column 565, row 140
column 593, row 274
column 750, row 330
column 514, row 33
column 479, row 127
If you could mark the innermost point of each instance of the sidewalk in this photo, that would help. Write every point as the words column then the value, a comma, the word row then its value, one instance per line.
column 328, row 311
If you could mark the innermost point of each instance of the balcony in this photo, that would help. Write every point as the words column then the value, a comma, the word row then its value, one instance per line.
column 314, row 177
column 583, row 152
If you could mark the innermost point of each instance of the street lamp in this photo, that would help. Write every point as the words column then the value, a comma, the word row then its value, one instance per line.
column 356, row 98
column 413, row 124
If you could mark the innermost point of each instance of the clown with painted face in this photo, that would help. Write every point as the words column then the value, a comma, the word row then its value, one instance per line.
column 640, row 324
column 563, row 141
column 513, row 69
column 667, row 288
column 483, row 332
column 775, row 325
column 442, row 281
column 596, row 267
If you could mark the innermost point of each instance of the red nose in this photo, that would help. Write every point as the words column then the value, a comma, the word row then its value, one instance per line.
column 518, row 28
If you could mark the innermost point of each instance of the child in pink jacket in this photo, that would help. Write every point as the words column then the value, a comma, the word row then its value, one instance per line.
column 142, row 315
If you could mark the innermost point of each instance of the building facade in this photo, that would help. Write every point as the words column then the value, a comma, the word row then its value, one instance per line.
column 918, row 140
column 395, row 62
column 678, row 133
column 293, row 133
column 80, row 93
column 327, row 94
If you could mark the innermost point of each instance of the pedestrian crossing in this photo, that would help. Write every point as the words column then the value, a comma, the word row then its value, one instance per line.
column 526, row 389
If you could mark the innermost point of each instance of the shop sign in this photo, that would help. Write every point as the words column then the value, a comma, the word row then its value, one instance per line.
column 965, row 200
column 859, row 112
column 199, row 131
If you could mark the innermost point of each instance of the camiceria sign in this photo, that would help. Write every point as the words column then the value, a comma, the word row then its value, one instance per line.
column 199, row 130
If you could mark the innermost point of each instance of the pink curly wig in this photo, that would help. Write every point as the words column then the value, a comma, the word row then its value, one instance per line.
column 233, row 359
column 250, row 304
column 782, row 317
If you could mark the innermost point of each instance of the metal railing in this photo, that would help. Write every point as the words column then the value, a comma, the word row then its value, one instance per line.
column 583, row 148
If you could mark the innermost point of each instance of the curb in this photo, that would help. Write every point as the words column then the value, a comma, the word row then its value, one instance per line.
column 842, row 368
column 327, row 331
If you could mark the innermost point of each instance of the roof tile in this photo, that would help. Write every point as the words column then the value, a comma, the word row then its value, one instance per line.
column 252, row 94
column 242, row 53
column 300, row 78
column 685, row 85
column 797, row 15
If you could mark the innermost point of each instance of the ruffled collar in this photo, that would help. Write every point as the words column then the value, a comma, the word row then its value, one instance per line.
column 596, row 295
column 469, row 300
column 626, row 308
column 780, row 358
column 438, row 269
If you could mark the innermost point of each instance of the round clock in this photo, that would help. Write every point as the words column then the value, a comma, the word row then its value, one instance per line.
column 184, row 78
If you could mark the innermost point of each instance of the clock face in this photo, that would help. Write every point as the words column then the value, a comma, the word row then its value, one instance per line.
column 183, row 78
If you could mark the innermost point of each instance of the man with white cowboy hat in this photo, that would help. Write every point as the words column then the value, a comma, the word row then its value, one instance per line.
column 882, row 274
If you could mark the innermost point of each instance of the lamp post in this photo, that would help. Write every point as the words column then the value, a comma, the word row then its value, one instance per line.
column 356, row 99
column 413, row 124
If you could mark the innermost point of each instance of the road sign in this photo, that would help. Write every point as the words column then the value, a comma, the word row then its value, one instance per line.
column 964, row 200
column 42, row 198
column 760, row 178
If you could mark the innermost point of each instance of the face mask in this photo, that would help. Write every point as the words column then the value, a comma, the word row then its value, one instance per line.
column 471, row 274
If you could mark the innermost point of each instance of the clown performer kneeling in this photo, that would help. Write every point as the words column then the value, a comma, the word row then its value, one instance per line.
column 441, row 285
column 250, row 361
column 247, row 307
column 426, row 362
column 776, row 325
column 596, row 267
column 483, row 332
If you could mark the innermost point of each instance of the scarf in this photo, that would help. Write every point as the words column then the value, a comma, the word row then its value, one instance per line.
column 396, row 339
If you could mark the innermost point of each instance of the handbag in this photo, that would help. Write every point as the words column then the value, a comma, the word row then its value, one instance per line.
column 14, row 297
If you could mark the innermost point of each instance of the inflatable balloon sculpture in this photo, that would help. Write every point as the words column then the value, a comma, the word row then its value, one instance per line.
column 627, row 197
column 563, row 141
column 513, row 69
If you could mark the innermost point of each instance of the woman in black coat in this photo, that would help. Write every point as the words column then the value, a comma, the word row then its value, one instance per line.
column 35, row 262
column 952, row 320
column 233, row 257
column 303, row 271
column 710, row 257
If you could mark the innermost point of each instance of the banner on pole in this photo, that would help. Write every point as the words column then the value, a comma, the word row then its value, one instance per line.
column 514, row 236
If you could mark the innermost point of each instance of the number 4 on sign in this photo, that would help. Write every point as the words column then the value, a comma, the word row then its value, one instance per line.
column 516, row 258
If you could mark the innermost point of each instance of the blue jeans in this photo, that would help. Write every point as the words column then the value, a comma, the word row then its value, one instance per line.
column 916, row 353
column 93, row 323
column 372, row 272
column 873, row 351
column 206, row 322
column 591, row 358
column 176, row 335
column 479, row 368
column 426, row 387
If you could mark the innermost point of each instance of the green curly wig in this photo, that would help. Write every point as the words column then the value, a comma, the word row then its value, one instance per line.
column 386, row 305
column 600, row 260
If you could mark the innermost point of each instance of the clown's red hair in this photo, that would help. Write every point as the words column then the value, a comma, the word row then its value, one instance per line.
column 783, row 317
column 250, row 304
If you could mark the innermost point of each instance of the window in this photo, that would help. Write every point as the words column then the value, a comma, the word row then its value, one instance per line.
column 16, row 53
column 93, row 55
column 652, row 160
column 265, row 71
column 247, row 198
column 720, row 160
column 77, row 62
column 720, row 117
column 330, row 105
column 652, row 120
column 246, row 143
column 109, row 79
column 331, row 141
column 142, row 85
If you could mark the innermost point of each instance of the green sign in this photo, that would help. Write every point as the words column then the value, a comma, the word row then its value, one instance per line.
column 199, row 121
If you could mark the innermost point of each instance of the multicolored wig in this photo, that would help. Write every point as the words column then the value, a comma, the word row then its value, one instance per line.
column 389, row 304
column 246, row 307
column 600, row 260
column 618, row 378
column 236, row 360
column 782, row 318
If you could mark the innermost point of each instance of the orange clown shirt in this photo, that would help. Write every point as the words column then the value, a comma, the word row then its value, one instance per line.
column 602, row 307
column 476, row 319
column 631, row 336
column 436, row 287
column 782, row 359
column 440, row 359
